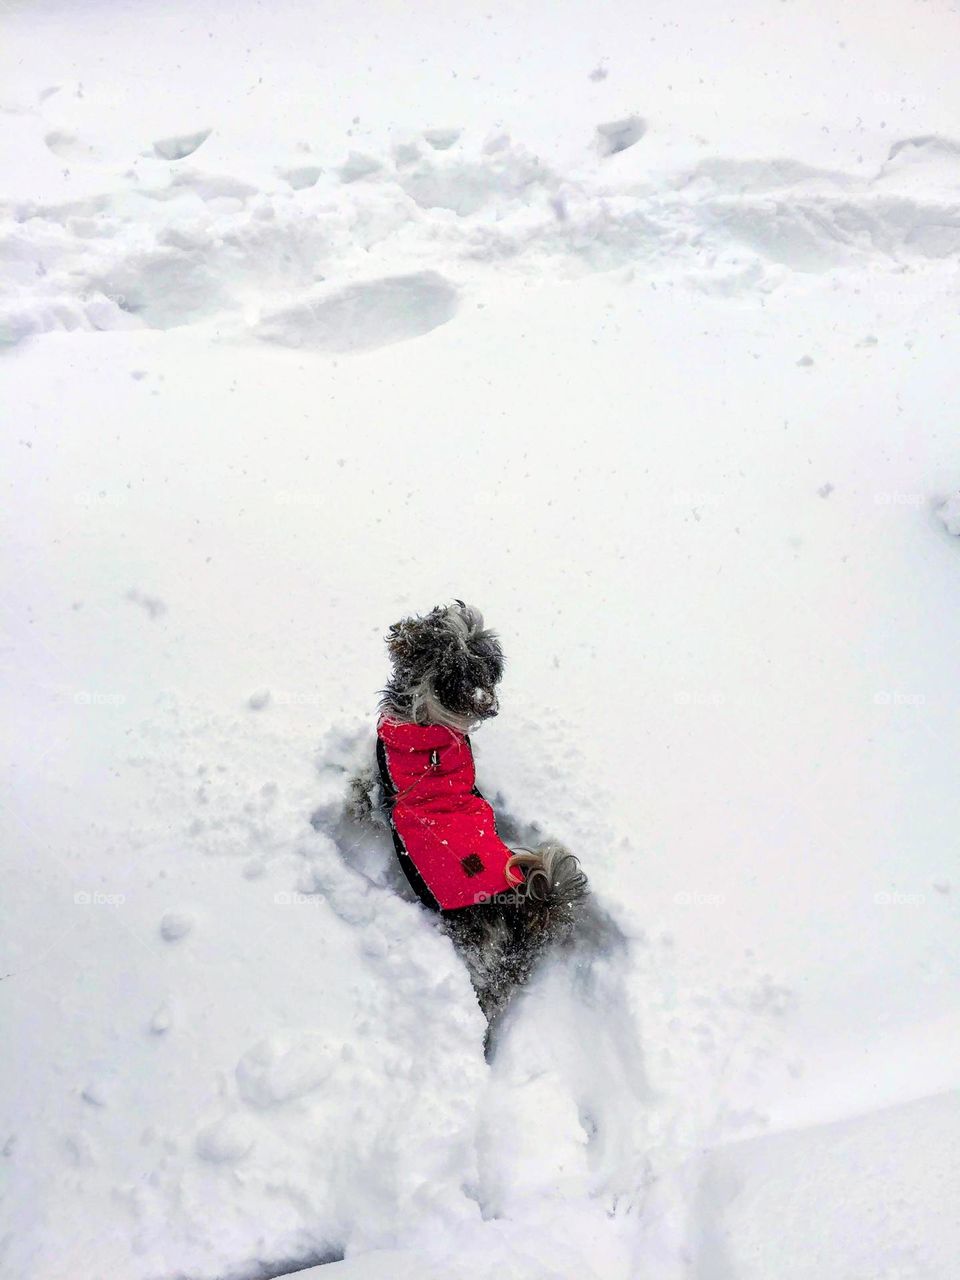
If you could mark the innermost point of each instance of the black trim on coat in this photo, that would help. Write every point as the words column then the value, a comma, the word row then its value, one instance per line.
column 417, row 882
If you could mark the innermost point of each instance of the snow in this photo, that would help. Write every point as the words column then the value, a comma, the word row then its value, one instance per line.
column 949, row 513
column 633, row 326
column 887, row 1172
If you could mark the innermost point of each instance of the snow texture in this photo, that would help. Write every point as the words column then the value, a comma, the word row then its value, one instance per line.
column 635, row 327
column 949, row 512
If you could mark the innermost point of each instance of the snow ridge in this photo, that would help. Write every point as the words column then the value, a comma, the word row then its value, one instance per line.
column 173, row 244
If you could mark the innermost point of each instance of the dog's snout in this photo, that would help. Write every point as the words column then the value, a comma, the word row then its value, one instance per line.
column 486, row 702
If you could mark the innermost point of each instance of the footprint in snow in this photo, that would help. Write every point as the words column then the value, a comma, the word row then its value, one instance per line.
column 302, row 176
column 362, row 317
column 180, row 145
column 925, row 161
column 359, row 165
column 441, row 139
column 619, row 135
column 65, row 146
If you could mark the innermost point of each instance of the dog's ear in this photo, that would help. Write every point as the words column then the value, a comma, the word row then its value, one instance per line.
column 402, row 639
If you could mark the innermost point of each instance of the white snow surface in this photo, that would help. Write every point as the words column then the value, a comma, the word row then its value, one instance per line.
column 635, row 326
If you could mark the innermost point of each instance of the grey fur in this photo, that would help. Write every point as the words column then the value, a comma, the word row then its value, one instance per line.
column 446, row 666
column 502, row 941
column 363, row 795
column 552, row 876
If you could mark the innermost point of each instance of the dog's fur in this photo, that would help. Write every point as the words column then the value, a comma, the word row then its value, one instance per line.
column 446, row 668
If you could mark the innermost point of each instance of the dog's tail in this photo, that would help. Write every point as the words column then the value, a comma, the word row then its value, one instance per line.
column 503, row 940
column 552, row 882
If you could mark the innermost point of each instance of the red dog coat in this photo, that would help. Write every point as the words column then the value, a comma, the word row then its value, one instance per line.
column 444, row 831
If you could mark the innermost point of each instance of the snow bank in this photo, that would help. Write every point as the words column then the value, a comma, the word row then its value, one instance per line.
column 885, row 1171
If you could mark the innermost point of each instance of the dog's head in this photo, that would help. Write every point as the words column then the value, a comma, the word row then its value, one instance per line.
column 446, row 668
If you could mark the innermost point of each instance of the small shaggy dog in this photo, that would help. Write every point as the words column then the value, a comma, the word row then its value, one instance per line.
column 500, row 906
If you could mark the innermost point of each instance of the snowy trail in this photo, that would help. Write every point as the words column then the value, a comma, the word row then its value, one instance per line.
column 567, row 1067
column 179, row 244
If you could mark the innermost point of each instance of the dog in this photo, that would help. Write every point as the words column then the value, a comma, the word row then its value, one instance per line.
column 501, row 906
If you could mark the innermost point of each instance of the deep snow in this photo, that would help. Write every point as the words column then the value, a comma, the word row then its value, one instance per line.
column 636, row 329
